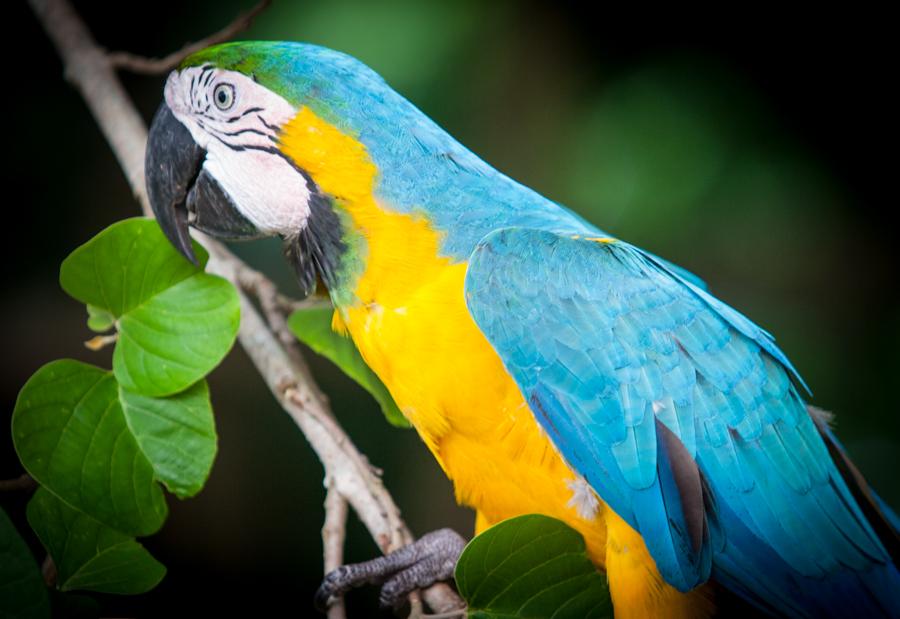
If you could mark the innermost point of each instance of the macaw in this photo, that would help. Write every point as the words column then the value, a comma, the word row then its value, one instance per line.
column 549, row 367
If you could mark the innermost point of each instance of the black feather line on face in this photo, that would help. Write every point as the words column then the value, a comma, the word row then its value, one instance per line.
column 317, row 249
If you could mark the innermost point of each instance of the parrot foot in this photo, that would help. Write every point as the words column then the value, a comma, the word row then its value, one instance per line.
column 429, row 559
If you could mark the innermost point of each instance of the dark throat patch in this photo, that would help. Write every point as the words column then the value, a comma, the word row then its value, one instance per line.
column 316, row 251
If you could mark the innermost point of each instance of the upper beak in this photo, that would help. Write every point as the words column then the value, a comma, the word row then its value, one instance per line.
column 182, row 192
column 172, row 163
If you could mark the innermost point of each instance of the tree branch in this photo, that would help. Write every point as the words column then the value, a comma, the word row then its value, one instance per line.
column 333, row 533
column 278, row 360
column 158, row 66
column 275, row 306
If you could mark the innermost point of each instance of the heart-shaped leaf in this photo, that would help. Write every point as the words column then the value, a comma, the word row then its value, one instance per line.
column 177, row 434
column 124, row 265
column 23, row 594
column 89, row 555
column 175, row 322
column 312, row 326
column 531, row 567
column 72, row 437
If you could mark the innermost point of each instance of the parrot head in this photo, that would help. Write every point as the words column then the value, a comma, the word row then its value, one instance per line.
column 259, row 139
column 216, row 159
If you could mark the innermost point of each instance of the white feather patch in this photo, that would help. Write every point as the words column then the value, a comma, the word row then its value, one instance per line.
column 241, row 145
column 584, row 500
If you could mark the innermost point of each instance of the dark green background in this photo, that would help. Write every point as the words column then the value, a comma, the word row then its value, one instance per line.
column 754, row 148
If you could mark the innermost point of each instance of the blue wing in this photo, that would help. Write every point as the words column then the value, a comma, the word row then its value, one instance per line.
column 681, row 414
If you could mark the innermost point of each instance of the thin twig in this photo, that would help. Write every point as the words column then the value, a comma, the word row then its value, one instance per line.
column 334, row 530
column 158, row 66
column 23, row 482
column 278, row 361
column 275, row 306
column 289, row 305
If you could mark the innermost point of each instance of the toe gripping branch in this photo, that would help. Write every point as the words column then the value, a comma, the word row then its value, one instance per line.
column 430, row 559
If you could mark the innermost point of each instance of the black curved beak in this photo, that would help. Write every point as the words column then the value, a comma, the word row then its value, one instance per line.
column 182, row 193
column 171, row 164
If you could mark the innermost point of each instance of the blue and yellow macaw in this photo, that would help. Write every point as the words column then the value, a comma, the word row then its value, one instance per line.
column 549, row 367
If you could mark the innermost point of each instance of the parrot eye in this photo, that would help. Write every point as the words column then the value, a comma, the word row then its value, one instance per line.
column 223, row 96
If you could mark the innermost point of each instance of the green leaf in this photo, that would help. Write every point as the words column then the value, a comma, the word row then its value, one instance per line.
column 89, row 555
column 177, row 337
column 22, row 591
column 531, row 567
column 99, row 320
column 71, row 435
column 313, row 327
column 126, row 264
column 177, row 434
column 175, row 322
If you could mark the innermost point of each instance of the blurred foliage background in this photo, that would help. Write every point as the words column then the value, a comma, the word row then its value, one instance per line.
column 754, row 149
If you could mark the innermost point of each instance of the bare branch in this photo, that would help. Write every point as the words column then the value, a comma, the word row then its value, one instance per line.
column 442, row 598
column 275, row 306
column 298, row 394
column 333, row 533
column 271, row 348
column 158, row 66
column 260, row 286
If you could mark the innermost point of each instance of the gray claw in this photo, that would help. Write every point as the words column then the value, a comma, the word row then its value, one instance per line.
column 430, row 559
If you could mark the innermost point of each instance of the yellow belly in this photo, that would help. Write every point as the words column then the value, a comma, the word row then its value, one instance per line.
column 452, row 386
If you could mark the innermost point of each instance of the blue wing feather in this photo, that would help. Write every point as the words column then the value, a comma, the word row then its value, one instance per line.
column 606, row 342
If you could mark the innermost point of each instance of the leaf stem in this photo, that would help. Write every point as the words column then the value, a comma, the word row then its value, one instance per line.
column 99, row 342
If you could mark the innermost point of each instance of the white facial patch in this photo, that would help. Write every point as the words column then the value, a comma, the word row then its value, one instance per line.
column 236, row 121
column 583, row 498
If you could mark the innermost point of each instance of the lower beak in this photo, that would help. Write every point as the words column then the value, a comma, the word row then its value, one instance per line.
column 172, row 163
column 183, row 193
